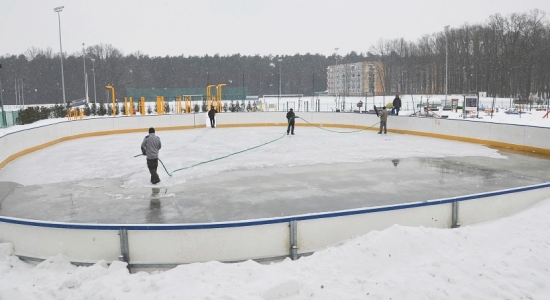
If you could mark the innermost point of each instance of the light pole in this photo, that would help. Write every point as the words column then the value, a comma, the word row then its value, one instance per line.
column 85, row 74
column 58, row 10
column 446, row 61
column 279, row 98
column 335, row 67
column 2, row 100
column 371, row 84
column 93, row 72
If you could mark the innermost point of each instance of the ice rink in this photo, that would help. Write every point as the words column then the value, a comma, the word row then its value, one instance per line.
column 98, row 179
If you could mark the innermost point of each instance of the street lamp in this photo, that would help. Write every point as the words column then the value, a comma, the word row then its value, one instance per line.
column 446, row 61
column 58, row 10
column 2, row 100
column 85, row 74
column 335, row 67
column 371, row 84
column 93, row 72
column 279, row 98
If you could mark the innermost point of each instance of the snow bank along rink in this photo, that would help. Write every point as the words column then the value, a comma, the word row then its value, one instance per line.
column 503, row 259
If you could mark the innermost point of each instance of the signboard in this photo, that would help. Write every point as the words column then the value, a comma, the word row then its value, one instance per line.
column 471, row 102
column 470, row 105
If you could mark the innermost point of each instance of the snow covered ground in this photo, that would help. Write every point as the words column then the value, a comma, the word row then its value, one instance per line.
column 502, row 259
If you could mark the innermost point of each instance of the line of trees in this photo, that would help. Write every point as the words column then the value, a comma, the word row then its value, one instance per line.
column 508, row 56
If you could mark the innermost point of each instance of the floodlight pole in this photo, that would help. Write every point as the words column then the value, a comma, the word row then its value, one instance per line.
column 58, row 10
column 446, row 62
column 279, row 98
column 85, row 74
column 93, row 72
column 1, row 99
column 335, row 67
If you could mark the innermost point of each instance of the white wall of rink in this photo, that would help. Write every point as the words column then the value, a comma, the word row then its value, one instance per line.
column 156, row 246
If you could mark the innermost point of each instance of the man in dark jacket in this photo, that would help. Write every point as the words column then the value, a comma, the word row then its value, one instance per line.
column 396, row 105
column 211, row 114
column 150, row 148
column 290, row 116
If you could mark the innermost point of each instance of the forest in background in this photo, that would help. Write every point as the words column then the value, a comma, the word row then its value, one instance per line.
column 507, row 56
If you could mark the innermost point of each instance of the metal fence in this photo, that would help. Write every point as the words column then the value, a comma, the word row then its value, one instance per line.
column 9, row 118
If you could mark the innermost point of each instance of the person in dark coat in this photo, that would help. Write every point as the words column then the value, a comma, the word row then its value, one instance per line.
column 396, row 105
column 211, row 114
column 383, row 120
column 150, row 148
column 290, row 116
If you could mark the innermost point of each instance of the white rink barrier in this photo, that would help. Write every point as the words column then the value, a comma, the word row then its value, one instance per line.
column 158, row 246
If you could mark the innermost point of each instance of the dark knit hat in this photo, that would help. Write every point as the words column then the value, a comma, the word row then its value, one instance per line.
column 151, row 130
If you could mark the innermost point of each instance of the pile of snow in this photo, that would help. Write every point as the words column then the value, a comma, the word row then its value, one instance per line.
column 503, row 259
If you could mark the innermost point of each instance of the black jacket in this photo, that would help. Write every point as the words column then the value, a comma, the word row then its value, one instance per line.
column 397, row 102
column 290, row 116
column 212, row 113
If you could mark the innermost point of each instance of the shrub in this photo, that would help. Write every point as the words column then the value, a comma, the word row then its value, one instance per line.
column 102, row 109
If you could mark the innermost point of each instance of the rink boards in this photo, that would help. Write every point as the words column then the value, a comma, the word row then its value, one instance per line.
column 164, row 246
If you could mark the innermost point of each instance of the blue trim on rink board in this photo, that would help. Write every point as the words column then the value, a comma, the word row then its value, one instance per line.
column 268, row 221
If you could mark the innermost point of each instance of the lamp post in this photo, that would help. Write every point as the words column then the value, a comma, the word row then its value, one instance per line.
column 2, row 100
column 371, row 84
column 446, row 61
column 58, row 10
column 279, row 98
column 335, row 67
column 93, row 72
column 85, row 74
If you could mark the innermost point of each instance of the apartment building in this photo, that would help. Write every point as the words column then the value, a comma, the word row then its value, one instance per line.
column 356, row 79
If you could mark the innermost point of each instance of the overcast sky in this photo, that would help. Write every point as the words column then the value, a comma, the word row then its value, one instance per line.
column 248, row 27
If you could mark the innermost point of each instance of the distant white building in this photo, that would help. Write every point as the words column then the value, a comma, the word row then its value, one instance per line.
column 356, row 79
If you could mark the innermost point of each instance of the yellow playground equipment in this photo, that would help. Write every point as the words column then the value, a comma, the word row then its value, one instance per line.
column 178, row 105
column 216, row 101
column 142, row 106
column 74, row 113
column 112, row 89
column 128, row 106
column 160, row 105
column 183, row 103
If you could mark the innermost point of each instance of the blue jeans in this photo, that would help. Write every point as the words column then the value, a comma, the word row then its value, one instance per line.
column 395, row 111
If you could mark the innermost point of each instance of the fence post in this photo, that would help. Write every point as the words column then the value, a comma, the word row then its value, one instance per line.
column 124, row 248
column 293, row 240
column 455, row 223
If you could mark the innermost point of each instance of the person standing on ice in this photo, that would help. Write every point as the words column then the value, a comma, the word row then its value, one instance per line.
column 211, row 114
column 150, row 148
column 383, row 120
column 290, row 116
column 396, row 105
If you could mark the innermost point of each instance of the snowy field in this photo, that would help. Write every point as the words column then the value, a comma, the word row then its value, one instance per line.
column 502, row 259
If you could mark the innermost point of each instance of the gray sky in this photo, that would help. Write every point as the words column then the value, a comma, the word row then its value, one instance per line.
column 248, row 27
